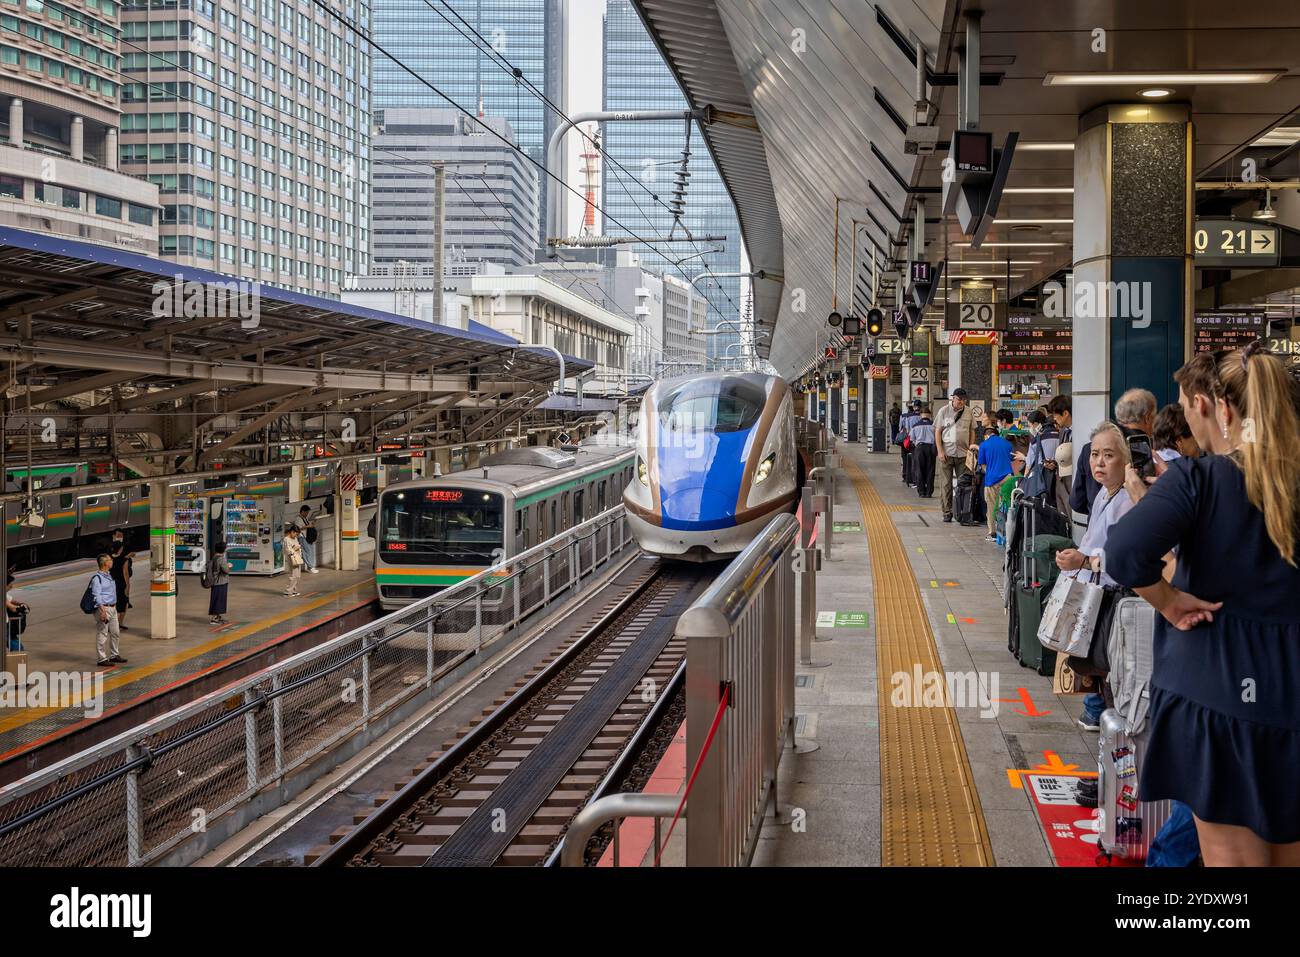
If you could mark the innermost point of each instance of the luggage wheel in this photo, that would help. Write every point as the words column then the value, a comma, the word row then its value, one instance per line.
column 1103, row 859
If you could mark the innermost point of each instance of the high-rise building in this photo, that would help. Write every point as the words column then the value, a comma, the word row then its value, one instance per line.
column 59, row 115
column 253, row 120
column 491, row 192
column 642, row 159
column 458, row 46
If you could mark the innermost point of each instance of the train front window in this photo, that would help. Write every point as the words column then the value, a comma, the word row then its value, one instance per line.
column 728, row 404
column 441, row 526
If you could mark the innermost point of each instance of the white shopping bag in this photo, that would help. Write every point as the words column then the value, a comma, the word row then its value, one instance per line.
column 1070, row 617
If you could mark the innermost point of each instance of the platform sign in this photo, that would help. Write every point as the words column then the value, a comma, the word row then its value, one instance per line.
column 878, row 372
column 1235, row 244
column 848, row 527
column 841, row 619
column 1227, row 330
column 921, row 391
column 975, row 316
column 920, row 374
column 894, row 347
column 967, row 337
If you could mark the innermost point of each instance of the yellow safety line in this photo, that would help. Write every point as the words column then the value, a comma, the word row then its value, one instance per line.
column 930, row 809
column 28, row 715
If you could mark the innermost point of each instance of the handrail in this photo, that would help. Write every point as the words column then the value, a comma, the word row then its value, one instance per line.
column 613, row 807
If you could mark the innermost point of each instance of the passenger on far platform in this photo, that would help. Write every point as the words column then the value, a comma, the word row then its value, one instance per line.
column 995, row 459
column 1224, row 722
column 219, row 579
column 1108, row 457
column 923, row 454
column 955, row 430
column 292, row 560
column 895, row 415
column 122, row 570
column 17, row 618
column 308, row 538
column 104, row 593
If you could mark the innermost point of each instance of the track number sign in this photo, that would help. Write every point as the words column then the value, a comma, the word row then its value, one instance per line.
column 976, row 316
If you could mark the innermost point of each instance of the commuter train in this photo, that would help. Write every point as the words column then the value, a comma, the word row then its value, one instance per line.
column 432, row 533
column 716, row 459
column 78, row 522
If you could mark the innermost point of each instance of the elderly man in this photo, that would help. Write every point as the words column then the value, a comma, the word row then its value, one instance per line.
column 1135, row 414
column 954, row 429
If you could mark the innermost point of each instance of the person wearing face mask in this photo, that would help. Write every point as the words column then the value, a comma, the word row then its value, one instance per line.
column 1224, row 720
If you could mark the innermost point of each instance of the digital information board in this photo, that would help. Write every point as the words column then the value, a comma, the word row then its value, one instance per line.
column 1227, row 330
column 1035, row 344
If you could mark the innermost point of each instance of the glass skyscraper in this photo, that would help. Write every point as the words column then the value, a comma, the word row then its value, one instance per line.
column 435, row 40
column 637, row 78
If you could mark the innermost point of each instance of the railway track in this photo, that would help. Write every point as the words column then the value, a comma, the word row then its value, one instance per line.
column 506, row 789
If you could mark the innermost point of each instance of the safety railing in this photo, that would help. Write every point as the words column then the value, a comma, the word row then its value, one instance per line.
column 207, row 767
column 740, row 646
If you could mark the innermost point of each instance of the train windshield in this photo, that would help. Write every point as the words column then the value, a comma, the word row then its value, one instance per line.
column 441, row 525
column 726, row 404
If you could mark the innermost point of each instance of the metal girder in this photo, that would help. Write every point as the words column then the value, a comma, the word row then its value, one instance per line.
column 433, row 409
column 248, row 428
column 158, row 397
column 36, row 307
column 63, row 352
column 75, row 387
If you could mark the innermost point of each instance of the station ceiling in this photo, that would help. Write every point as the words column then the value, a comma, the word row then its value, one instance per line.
column 831, row 85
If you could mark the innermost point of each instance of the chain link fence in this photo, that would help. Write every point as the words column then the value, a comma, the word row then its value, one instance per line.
column 137, row 797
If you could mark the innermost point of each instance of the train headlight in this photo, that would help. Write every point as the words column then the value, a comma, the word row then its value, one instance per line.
column 642, row 473
column 764, row 469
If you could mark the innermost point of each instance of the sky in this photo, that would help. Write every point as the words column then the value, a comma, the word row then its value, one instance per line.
column 586, row 82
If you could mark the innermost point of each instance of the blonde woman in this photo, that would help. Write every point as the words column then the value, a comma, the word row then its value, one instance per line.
column 1224, row 722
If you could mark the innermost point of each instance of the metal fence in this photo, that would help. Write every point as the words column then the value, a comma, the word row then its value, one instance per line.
column 137, row 798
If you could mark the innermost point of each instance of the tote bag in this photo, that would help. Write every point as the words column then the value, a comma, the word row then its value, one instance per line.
column 1070, row 617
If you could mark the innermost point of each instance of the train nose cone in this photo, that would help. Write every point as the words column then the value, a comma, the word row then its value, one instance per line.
column 706, row 506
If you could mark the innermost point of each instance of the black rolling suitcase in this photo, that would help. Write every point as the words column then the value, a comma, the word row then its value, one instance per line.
column 964, row 499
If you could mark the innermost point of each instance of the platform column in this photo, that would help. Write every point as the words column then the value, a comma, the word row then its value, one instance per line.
column 441, row 461
column 974, row 369
column 347, row 521
column 1131, row 295
column 162, row 560
column 472, row 456
column 297, row 477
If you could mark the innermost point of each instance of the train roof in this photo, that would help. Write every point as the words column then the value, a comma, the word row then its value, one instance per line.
column 539, row 465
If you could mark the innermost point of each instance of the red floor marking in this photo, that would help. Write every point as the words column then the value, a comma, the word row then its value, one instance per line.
column 636, row 836
column 969, row 621
column 1071, row 829
column 1022, row 697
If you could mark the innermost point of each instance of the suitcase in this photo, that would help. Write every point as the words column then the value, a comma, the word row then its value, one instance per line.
column 1029, row 612
column 1130, row 647
column 1126, row 826
column 963, row 500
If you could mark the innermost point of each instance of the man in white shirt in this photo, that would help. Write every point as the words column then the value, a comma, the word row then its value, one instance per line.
column 954, row 429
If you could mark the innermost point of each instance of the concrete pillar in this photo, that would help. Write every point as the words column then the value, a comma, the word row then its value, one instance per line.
column 472, row 455
column 297, row 478
column 77, row 138
column 162, row 560
column 16, row 122
column 1133, row 211
column 347, row 497
column 441, row 462
column 110, row 148
column 974, row 367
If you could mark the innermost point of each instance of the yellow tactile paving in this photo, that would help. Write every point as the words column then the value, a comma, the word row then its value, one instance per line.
column 930, row 809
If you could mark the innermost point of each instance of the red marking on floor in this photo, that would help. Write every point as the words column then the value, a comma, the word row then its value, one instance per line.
column 1071, row 829
column 636, row 836
column 68, row 729
column 1022, row 697
column 969, row 621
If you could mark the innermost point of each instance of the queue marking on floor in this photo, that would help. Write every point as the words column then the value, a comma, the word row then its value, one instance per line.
column 130, row 675
column 930, row 808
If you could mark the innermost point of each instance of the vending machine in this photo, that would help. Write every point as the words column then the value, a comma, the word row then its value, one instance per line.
column 252, row 528
column 193, row 534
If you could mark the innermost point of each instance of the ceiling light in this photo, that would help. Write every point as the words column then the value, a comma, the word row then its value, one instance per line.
column 953, row 263
column 1266, row 210
column 1039, row 189
column 1013, row 222
column 1206, row 77
column 982, row 245
column 1155, row 92
column 1040, row 147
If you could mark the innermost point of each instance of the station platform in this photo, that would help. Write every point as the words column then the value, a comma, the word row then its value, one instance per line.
column 60, row 638
column 897, row 779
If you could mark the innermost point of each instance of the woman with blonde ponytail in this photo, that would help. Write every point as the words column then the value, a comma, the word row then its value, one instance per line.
column 1224, row 723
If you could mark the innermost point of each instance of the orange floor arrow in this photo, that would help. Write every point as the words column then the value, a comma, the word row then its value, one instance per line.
column 1023, row 697
column 1053, row 765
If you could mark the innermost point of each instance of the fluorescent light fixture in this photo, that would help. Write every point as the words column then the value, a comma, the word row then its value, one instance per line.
column 256, row 474
column 993, row 262
column 181, row 484
column 1197, row 77
column 1020, row 222
column 1043, row 146
column 1155, row 92
column 81, row 498
column 1027, row 190
column 982, row 245
column 1014, row 275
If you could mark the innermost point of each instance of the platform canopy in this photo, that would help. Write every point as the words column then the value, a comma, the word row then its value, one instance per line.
column 127, row 356
column 829, row 87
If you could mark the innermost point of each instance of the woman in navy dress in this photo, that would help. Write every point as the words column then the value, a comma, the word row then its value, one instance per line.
column 1224, row 723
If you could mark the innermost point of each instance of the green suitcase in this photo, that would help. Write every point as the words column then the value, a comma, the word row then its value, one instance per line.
column 1038, row 575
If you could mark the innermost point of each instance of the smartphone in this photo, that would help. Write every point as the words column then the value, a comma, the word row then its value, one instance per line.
column 1139, row 447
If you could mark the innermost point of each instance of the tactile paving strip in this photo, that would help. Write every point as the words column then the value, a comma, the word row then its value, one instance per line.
column 930, row 809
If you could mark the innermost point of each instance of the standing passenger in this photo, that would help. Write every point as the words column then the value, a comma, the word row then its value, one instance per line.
column 107, row 635
column 923, row 454
column 293, row 559
column 995, row 460
column 307, row 538
column 121, row 572
column 1224, row 723
column 219, row 583
column 955, row 433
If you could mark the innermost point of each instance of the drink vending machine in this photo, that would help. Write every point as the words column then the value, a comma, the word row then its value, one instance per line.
column 193, row 534
column 253, row 530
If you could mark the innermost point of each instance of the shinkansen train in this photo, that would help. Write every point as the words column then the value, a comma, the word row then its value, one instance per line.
column 432, row 533
column 716, row 459
column 78, row 522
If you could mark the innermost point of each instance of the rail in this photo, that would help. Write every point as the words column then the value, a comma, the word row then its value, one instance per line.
column 211, row 766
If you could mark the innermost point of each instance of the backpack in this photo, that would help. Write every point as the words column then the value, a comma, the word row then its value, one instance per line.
column 311, row 534
column 88, row 604
column 206, row 576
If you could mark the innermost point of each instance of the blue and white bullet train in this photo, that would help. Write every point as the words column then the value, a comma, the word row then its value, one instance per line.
column 716, row 459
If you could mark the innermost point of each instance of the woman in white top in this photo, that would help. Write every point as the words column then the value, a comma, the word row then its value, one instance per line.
column 1110, row 456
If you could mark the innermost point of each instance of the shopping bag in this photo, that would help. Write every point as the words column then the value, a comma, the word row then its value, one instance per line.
column 1070, row 616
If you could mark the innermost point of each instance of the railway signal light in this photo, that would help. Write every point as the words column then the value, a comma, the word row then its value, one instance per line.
column 835, row 319
column 875, row 323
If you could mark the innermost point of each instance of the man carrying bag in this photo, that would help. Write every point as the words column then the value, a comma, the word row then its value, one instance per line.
column 954, row 429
